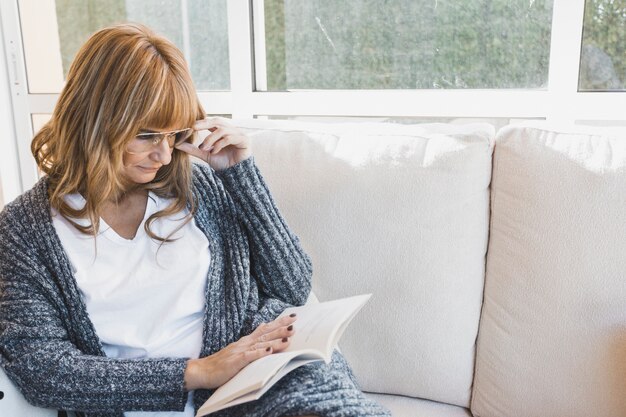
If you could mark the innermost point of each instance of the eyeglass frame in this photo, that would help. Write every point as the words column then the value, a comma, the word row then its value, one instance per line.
column 161, row 136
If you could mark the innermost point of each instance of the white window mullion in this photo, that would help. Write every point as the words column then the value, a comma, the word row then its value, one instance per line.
column 19, row 139
column 216, row 102
column 260, row 56
column 407, row 103
column 10, row 176
column 565, row 46
column 184, row 14
column 240, row 52
column 604, row 106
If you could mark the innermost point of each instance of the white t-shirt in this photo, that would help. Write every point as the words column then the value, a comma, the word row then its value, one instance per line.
column 145, row 301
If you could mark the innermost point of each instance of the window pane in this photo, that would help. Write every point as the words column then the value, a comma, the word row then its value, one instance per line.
column 197, row 27
column 603, row 55
column 407, row 44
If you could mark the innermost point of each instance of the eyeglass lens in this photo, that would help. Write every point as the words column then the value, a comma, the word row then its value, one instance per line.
column 173, row 139
column 148, row 141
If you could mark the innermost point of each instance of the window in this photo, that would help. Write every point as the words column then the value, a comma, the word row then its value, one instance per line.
column 397, row 60
column 53, row 32
column 603, row 55
column 407, row 44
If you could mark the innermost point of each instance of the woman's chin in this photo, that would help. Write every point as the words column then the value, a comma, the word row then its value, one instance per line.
column 143, row 175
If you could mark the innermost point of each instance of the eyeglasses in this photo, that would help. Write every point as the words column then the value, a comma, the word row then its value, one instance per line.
column 145, row 142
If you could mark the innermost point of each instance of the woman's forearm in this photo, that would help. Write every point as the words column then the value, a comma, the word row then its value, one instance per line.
column 277, row 259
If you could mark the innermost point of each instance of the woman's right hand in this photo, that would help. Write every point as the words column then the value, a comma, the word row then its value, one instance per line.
column 213, row 371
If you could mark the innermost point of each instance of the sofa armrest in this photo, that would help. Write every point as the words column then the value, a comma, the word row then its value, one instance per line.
column 12, row 403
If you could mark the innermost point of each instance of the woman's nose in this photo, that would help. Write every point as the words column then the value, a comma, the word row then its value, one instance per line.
column 162, row 152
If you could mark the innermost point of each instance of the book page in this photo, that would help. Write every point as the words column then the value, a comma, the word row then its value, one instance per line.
column 252, row 377
column 212, row 405
column 319, row 326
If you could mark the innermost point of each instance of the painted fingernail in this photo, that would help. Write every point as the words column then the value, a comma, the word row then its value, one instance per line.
column 285, row 340
column 268, row 349
column 292, row 315
column 290, row 328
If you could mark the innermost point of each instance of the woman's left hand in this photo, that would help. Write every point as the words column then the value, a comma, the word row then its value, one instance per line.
column 224, row 147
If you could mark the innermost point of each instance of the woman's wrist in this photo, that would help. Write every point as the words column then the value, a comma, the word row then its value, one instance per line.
column 236, row 168
column 193, row 375
column 241, row 156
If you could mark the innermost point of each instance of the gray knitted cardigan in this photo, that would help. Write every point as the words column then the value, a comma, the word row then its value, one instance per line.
column 49, row 347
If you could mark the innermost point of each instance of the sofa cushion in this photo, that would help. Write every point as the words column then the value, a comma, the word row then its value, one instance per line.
column 415, row 407
column 552, row 338
column 401, row 212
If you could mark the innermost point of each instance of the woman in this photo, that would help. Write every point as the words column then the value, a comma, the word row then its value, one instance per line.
column 133, row 282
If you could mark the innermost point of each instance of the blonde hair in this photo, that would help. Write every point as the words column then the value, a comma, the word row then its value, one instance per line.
column 124, row 78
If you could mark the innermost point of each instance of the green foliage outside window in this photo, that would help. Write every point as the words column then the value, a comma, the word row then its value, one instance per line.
column 375, row 44
column 603, row 56
column 206, row 25
column 407, row 44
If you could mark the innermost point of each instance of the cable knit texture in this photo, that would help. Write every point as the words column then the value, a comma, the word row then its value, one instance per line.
column 49, row 347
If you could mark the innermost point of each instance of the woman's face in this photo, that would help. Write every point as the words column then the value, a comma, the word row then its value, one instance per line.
column 141, row 166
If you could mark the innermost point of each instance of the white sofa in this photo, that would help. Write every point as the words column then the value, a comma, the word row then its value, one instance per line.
column 497, row 262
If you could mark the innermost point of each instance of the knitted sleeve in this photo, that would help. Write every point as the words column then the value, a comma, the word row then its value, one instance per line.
column 38, row 355
column 277, row 261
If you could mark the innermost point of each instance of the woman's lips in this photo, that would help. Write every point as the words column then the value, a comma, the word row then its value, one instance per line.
column 151, row 170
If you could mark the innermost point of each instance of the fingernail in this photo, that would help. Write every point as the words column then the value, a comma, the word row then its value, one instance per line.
column 285, row 340
column 290, row 328
column 268, row 349
column 292, row 315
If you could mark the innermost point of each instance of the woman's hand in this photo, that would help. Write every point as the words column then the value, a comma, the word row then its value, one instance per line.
column 224, row 147
column 214, row 370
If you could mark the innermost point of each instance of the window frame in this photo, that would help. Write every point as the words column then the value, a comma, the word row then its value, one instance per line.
column 561, row 102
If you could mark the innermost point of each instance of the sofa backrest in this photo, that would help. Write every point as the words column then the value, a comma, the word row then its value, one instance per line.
column 401, row 212
column 552, row 338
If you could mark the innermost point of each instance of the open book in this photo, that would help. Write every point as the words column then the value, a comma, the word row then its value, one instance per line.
column 318, row 329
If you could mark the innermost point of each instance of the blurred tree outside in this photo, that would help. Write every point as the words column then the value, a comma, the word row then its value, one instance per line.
column 207, row 25
column 603, row 55
column 79, row 19
column 374, row 44
column 407, row 44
